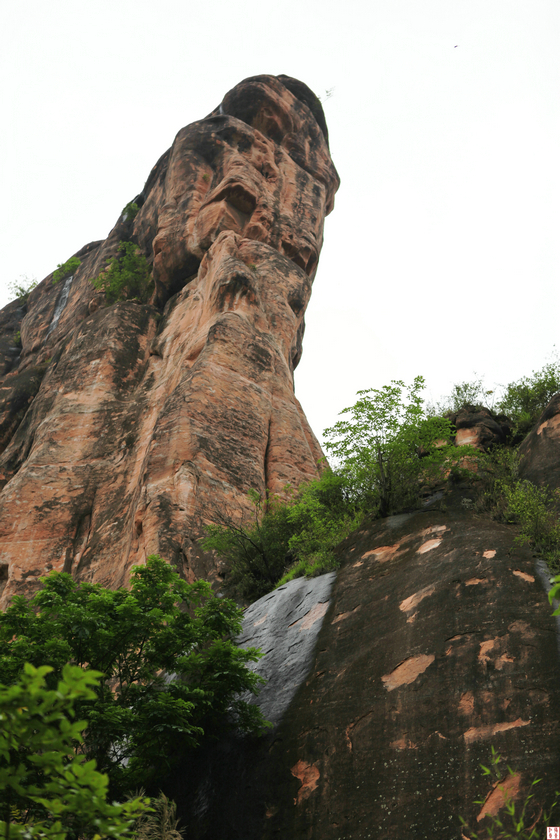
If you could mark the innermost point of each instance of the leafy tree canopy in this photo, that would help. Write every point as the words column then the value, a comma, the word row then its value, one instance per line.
column 287, row 538
column 22, row 288
column 389, row 446
column 47, row 790
column 64, row 270
column 170, row 669
column 127, row 276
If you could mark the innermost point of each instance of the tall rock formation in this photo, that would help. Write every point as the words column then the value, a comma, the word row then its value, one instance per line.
column 123, row 428
column 435, row 643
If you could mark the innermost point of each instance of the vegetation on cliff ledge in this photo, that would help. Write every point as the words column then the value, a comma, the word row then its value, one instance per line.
column 385, row 454
column 64, row 270
column 389, row 453
column 127, row 276
column 167, row 673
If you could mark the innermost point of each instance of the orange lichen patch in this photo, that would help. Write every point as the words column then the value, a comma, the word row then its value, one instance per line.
column 489, row 646
column 413, row 600
column 383, row 553
column 342, row 616
column 549, row 424
column 524, row 576
column 407, row 671
column 428, row 546
column 312, row 616
column 358, row 724
column 260, row 621
column 466, row 703
column 403, row 744
column 359, row 563
column 485, row 648
column 475, row 581
column 411, row 618
column 480, row 733
column 308, row 775
column 522, row 627
column 501, row 793
column 433, row 529
column 502, row 660
column 491, row 552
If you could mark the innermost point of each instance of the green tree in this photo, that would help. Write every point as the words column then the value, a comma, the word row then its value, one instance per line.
column 525, row 400
column 127, row 276
column 64, row 270
column 47, row 789
column 170, row 669
column 389, row 447
column 300, row 531
column 22, row 288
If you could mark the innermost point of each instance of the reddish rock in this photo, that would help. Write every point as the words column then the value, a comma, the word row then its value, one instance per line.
column 438, row 644
column 540, row 451
column 124, row 431
column 479, row 427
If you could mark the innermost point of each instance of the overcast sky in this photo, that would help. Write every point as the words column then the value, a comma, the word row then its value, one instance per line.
column 441, row 256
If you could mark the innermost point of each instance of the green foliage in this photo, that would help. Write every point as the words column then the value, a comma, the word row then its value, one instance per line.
column 524, row 821
column 390, row 447
column 64, row 270
column 160, row 823
column 170, row 671
column 520, row 502
column 47, row 789
column 127, row 276
column 16, row 340
column 525, row 400
column 303, row 530
column 130, row 211
column 387, row 453
column 22, row 288
column 464, row 393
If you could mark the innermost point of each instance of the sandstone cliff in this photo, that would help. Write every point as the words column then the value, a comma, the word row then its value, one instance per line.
column 123, row 428
column 434, row 643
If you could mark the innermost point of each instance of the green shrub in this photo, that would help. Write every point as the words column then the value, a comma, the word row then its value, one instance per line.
column 300, row 533
column 464, row 393
column 48, row 789
column 510, row 499
column 390, row 448
column 387, row 453
column 160, row 823
column 64, row 270
column 525, row 400
column 127, row 276
column 524, row 821
column 16, row 340
column 22, row 288
column 130, row 211
column 169, row 672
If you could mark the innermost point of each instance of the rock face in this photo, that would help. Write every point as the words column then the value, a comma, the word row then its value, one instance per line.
column 479, row 427
column 123, row 428
column 540, row 451
column 438, row 643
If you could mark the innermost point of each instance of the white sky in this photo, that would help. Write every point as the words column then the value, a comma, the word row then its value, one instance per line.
column 442, row 255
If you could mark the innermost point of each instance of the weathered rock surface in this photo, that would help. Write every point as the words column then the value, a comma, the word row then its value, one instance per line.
column 122, row 431
column 540, row 451
column 284, row 626
column 124, row 428
column 479, row 427
column 438, row 643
